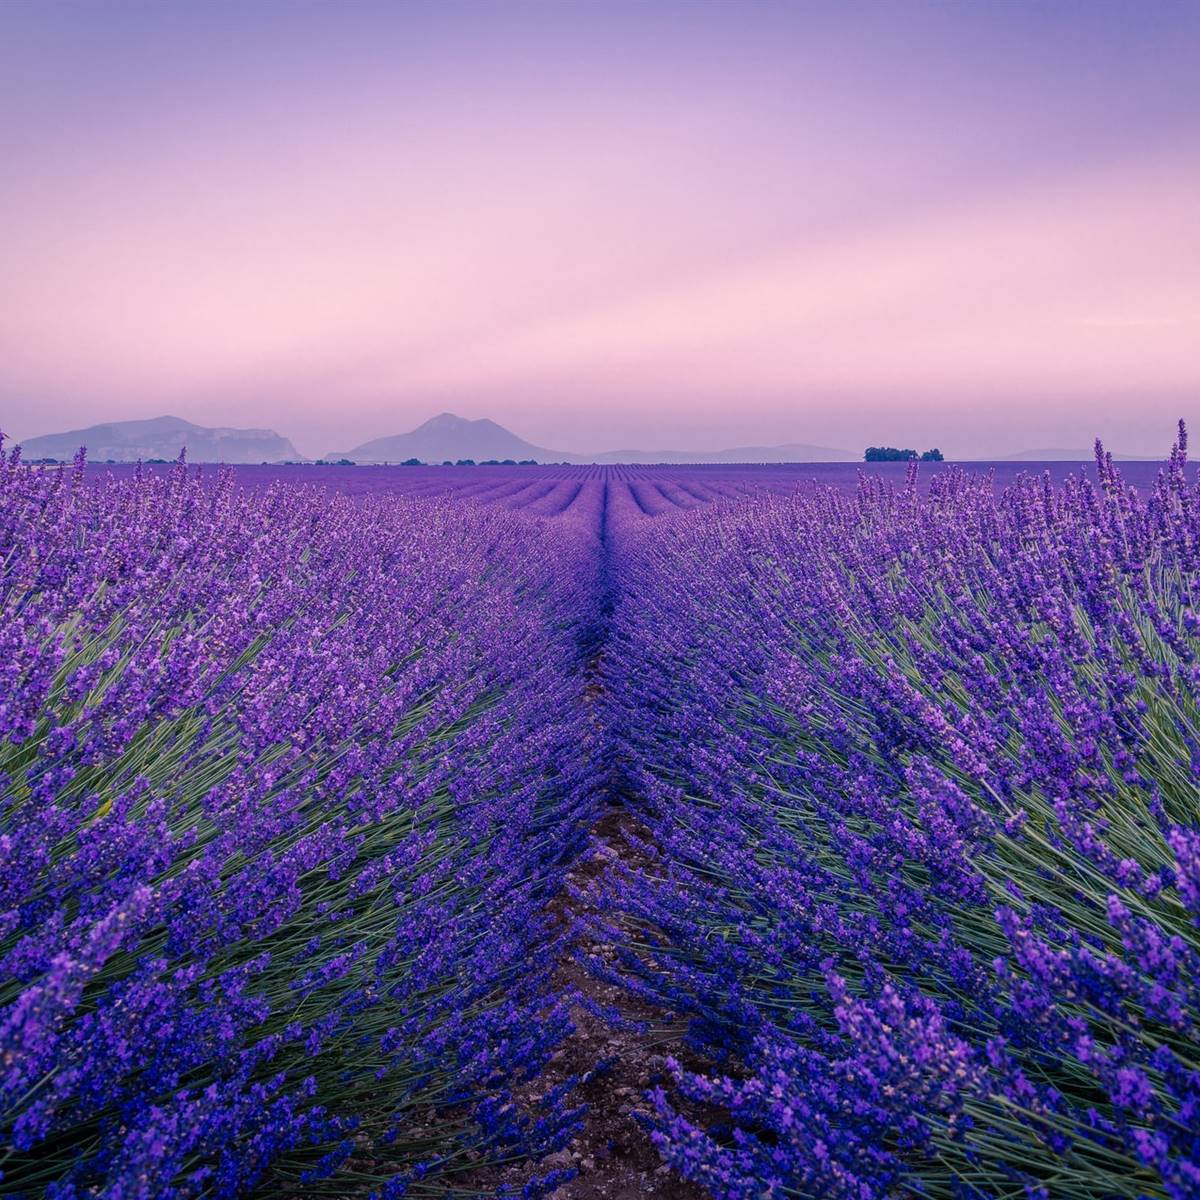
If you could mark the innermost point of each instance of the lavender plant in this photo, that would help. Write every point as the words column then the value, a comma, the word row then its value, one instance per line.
column 920, row 773
column 286, row 781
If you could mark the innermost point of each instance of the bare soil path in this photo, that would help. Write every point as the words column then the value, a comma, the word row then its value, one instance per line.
column 613, row 1152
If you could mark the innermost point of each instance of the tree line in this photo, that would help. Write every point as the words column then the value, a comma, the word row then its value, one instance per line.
column 891, row 454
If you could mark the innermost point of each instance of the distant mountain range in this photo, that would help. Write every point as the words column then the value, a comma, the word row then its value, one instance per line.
column 163, row 437
column 447, row 436
column 441, row 438
column 788, row 452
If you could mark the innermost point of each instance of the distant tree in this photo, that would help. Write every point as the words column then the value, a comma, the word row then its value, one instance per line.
column 508, row 462
column 527, row 462
column 891, row 454
column 490, row 462
column 465, row 462
column 447, row 463
column 412, row 462
column 344, row 462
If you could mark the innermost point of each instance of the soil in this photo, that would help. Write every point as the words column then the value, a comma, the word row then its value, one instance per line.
column 612, row 1152
column 619, row 1061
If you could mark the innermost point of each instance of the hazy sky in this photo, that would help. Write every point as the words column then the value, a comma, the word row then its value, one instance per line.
column 605, row 224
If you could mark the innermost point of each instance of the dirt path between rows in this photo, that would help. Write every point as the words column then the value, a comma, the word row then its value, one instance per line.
column 618, row 1062
column 612, row 1151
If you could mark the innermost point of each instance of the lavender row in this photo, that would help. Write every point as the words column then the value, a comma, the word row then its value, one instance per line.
column 286, row 781
column 919, row 770
column 571, row 491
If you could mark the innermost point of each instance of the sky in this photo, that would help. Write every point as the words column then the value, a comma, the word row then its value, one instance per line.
column 605, row 224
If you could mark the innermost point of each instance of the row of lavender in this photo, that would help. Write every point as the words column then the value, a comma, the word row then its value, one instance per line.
column 579, row 492
column 286, row 780
column 920, row 773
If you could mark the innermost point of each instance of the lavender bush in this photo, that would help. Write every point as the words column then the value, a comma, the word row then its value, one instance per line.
column 920, row 773
column 286, row 781
column 291, row 775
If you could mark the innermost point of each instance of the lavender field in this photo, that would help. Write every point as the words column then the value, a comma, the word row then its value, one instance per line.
column 302, row 771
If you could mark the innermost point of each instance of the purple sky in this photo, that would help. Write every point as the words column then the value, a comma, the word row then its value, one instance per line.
column 605, row 224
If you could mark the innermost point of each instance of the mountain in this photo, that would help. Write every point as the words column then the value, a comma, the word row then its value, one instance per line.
column 449, row 437
column 163, row 437
column 789, row 452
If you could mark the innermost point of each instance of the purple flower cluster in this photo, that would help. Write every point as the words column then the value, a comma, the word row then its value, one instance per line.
column 286, row 781
column 292, row 770
column 921, row 769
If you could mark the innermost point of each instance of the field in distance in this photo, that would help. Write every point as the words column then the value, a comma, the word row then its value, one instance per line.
column 633, row 492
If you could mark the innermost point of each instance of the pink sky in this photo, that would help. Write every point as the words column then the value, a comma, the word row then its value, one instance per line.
column 605, row 225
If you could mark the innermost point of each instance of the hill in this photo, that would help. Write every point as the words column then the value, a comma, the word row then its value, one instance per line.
column 163, row 437
column 789, row 452
column 447, row 436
